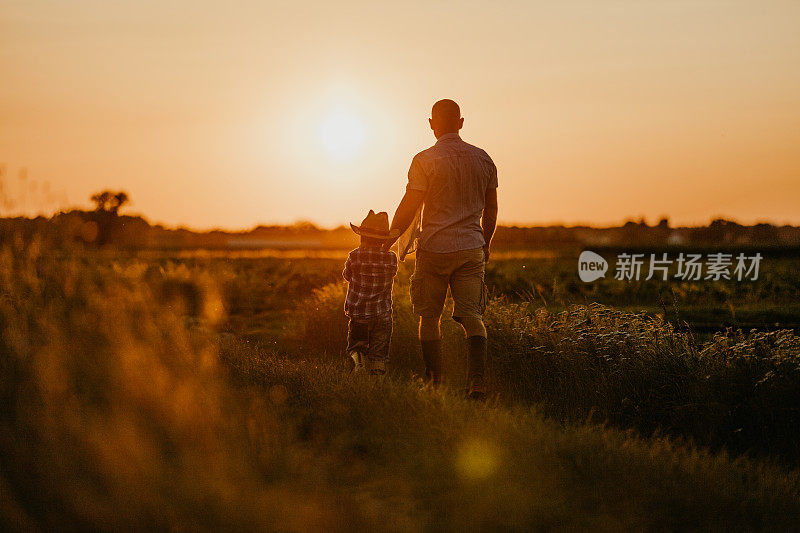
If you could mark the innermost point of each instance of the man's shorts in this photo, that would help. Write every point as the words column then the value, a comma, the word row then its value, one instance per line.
column 462, row 271
column 370, row 337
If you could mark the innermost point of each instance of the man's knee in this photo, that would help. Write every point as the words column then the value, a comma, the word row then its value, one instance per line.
column 429, row 328
column 473, row 326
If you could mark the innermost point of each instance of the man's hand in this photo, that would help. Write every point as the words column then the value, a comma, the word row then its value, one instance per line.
column 489, row 220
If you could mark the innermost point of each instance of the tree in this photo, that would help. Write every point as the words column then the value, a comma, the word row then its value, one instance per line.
column 101, row 200
column 118, row 200
column 110, row 202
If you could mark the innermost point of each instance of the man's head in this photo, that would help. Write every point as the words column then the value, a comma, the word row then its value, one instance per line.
column 445, row 118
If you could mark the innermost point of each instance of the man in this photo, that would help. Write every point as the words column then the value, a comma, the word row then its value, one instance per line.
column 457, row 183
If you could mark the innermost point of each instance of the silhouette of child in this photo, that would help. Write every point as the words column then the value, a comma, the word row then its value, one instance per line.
column 370, row 272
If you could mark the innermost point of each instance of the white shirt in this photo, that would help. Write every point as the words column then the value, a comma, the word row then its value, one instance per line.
column 455, row 176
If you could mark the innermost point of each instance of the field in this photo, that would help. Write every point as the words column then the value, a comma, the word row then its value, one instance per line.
column 203, row 390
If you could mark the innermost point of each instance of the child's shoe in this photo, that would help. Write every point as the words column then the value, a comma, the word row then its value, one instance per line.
column 358, row 362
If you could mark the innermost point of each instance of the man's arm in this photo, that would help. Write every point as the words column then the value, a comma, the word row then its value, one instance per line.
column 489, row 219
column 404, row 215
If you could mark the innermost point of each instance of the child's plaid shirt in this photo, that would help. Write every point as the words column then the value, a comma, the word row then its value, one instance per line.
column 370, row 272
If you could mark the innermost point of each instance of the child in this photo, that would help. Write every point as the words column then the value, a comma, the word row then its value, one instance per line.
column 370, row 270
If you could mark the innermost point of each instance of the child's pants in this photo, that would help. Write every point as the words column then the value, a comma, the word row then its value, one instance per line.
column 370, row 337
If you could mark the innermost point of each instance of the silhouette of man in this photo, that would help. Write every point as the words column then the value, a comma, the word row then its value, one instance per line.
column 455, row 183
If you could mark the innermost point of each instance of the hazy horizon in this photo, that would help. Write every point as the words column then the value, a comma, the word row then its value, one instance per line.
column 219, row 116
column 127, row 211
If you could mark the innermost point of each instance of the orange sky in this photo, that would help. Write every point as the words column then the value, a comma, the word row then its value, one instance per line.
column 225, row 113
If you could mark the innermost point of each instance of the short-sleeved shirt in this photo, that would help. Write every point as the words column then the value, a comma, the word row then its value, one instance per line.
column 454, row 176
column 370, row 272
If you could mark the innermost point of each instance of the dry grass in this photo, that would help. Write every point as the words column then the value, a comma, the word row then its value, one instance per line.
column 738, row 391
column 122, row 408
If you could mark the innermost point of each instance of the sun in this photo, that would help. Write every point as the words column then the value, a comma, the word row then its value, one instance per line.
column 342, row 134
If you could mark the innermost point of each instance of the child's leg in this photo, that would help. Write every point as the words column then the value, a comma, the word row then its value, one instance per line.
column 357, row 343
column 380, row 337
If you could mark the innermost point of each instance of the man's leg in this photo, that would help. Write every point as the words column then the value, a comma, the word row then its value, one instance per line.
column 473, row 326
column 469, row 294
column 476, row 344
column 430, row 339
column 428, row 291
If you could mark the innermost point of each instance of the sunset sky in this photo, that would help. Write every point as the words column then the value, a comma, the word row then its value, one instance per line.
column 231, row 114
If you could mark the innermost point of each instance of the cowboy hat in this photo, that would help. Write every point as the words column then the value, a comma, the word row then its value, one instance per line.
column 376, row 226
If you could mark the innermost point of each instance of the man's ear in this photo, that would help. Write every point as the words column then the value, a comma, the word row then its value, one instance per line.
column 430, row 121
column 460, row 123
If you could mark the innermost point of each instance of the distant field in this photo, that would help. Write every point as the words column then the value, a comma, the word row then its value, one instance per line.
column 545, row 278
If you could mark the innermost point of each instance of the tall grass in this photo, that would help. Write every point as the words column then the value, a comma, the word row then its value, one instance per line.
column 740, row 391
column 454, row 465
column 116, row 415
column 124, row 408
